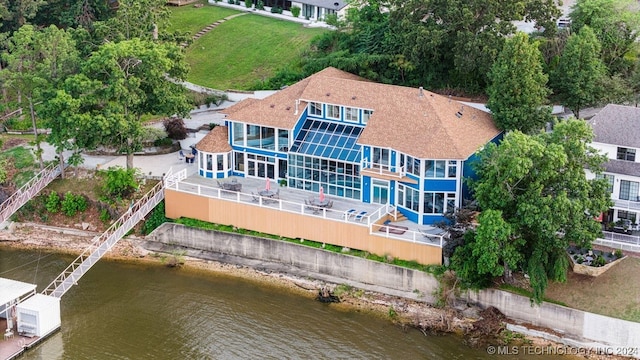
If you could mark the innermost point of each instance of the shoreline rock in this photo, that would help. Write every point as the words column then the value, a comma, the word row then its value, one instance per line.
column 478, row 328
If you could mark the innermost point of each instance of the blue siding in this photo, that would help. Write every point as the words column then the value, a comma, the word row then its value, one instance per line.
column 432, row 219
column 449, row 185
column 469, row 173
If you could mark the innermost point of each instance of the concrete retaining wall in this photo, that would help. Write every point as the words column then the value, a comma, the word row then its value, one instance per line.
column 302, row 257
column 579, row 328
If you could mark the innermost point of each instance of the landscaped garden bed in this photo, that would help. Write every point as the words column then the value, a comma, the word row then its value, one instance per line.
column 592, row 262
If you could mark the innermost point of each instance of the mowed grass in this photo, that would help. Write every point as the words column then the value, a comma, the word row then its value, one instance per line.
column 245, row 49
column 192, row 19
column 615, row 293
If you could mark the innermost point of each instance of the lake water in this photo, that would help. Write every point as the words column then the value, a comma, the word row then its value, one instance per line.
column 133, row 311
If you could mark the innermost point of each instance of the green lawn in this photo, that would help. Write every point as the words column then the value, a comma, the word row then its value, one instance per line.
column 191, row 19
column 245, row 49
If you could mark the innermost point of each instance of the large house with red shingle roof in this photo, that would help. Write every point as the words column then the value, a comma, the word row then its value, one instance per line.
column 354, row 139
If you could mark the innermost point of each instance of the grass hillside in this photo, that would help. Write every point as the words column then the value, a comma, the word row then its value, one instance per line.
column 192, row 19
column 241, row 51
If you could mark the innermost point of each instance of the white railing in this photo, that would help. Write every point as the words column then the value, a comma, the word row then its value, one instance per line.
column 368, row 220
column 103, row 243
column 622, row 238
column 271, row 203
column 394, row 232
column 382, row 169
column 28, row 190
column 627, row 204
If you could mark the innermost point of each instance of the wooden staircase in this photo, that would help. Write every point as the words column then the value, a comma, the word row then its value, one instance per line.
column 396, row 215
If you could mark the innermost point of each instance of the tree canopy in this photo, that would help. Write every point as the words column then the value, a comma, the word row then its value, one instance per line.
column 538, row 201
column 579, row 71
column 517, row 87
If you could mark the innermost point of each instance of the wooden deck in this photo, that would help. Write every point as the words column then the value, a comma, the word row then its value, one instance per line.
column 293, row 200
column 13, row 347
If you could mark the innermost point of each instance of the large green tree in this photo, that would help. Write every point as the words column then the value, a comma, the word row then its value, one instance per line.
column 134, row 77
column 616, row 24
column 517, row 87
column 579, row 71
column 537, row 184
column 455, row 42
column 135, row 19
column 36, row 62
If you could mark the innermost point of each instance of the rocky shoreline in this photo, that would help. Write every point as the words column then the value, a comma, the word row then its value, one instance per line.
column 479, row 328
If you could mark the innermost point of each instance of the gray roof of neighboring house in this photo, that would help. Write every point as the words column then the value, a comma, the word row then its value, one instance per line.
column 327, row 4
column 622, row 167
column 617, row 125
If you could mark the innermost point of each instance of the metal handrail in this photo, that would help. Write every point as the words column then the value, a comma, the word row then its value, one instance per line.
column 29, row 190
column 103, row 243
column 392, row 170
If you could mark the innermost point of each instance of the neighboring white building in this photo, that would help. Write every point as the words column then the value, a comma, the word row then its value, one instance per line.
column 319, row 9
column 617, row 135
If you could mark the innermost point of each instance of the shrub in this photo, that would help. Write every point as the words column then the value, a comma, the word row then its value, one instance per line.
column 600, row 261
column 248, row 4
column 150, row 134
column 175, row 128
column 156, row 219
column 260, row 5
column 163, row 142
column 119, row 182
column 53, row 202
column 237, row 2
column 618, row 253
column 105, row 217
column 72, row 204
column 295, row 11
column 231, row 2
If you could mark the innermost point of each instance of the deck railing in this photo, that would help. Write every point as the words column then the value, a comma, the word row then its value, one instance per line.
column 627, row 204
column 103, row 243
column 368, row 220
column 382, row 169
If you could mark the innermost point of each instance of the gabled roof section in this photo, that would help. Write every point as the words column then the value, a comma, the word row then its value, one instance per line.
column 617, row 125
column 413, row 121
column 279, row 109
column 216, row 141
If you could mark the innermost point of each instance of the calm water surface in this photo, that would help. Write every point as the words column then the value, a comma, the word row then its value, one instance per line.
column 127, row 311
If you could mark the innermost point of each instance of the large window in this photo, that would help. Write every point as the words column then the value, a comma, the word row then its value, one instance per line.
column 452, row 168
column 333, row 111
column 327, row 139
column 366, row 114
column 408, row 198
column 238, row 161
column 283, row 140
column 381, row 156
column 238, row 134
column 438, row 202
column 336, row 177
column 627, row 215
column 435, row 168
column 261, row 137
column 315, row 109
column 626, row 154
column 411, row 164
column 610, row 180
column 351, row 114
column 628, row 190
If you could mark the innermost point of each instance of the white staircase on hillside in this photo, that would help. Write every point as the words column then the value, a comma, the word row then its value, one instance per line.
column 108, row 239
column 28, row 190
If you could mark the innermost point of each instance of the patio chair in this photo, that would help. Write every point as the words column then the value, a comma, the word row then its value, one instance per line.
column 349, row 213
column 180, row 156
column 360, row 216
column 330, row 204
column 221, row 185
column 255, row 197
column 277, row 195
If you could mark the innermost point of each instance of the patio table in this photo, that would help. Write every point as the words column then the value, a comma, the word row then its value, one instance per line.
column 266, row 193
column 318, row 202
